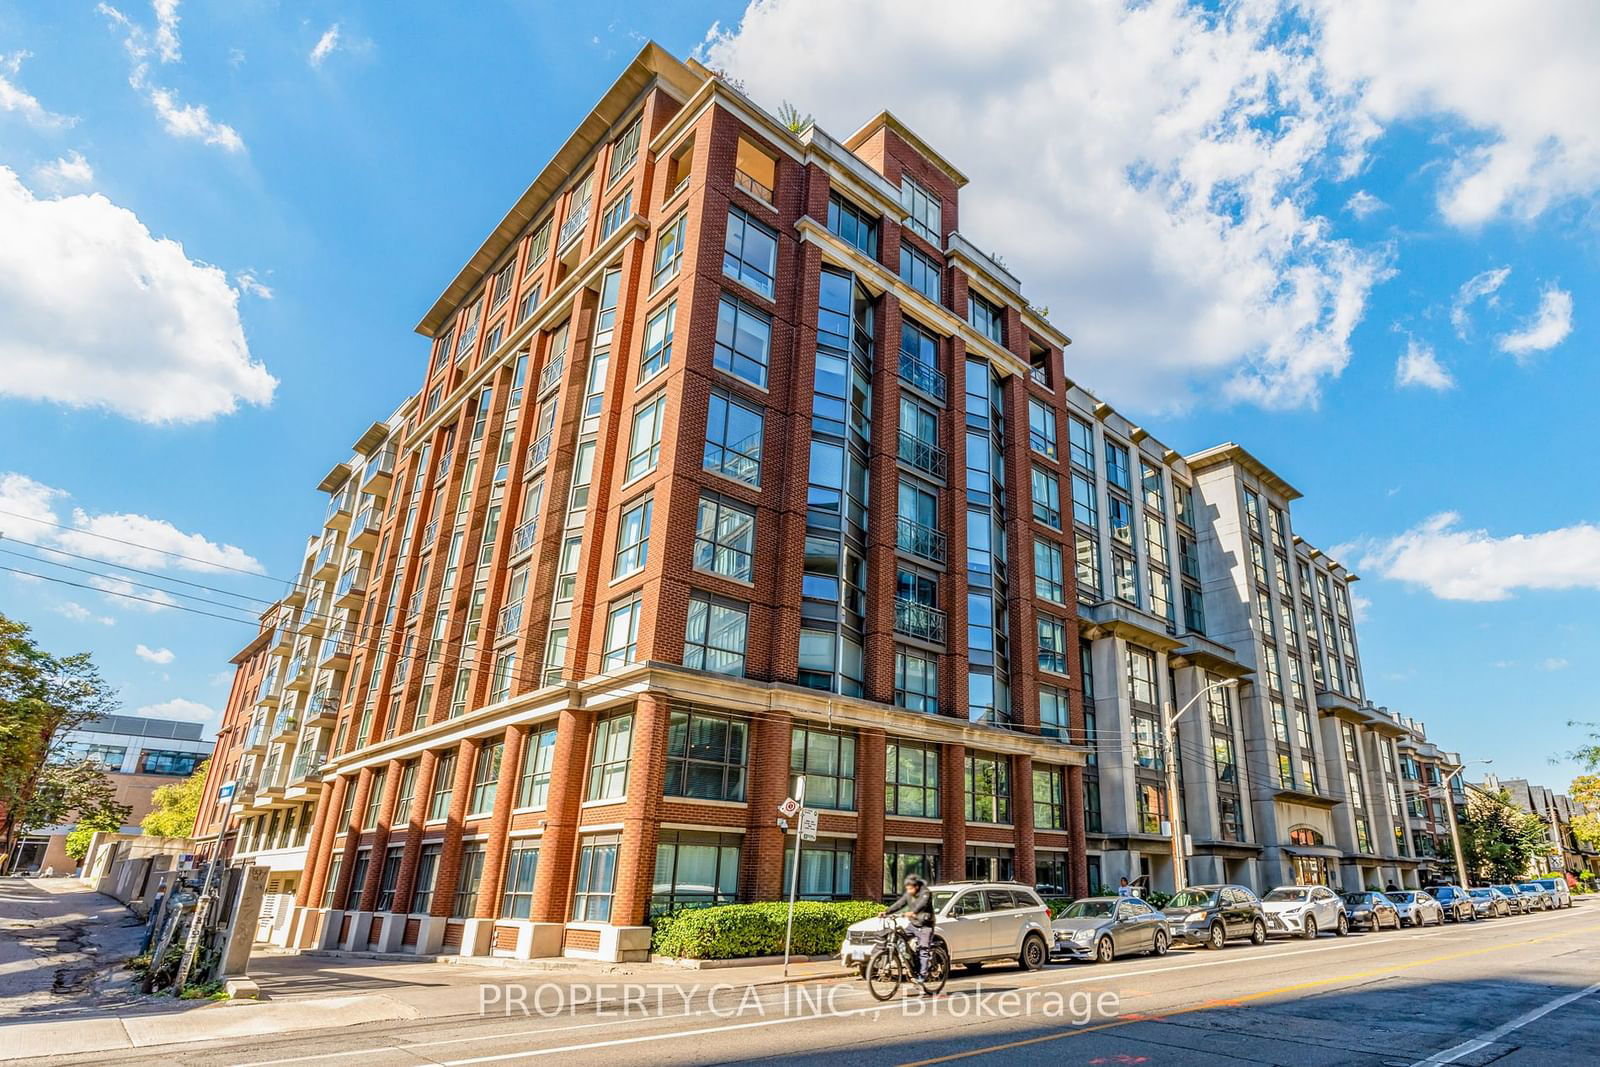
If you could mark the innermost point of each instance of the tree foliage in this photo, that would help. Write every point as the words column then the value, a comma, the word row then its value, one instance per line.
column 1585, row 793
column 177, row 806
column 790, row 116
column 43, row 698
column 82, row 834
column 1498, row 841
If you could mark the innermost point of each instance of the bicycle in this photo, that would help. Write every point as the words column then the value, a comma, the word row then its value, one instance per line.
column 895, row 961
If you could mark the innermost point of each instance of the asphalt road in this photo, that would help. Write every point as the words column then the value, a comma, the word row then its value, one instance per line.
column 1514, row 991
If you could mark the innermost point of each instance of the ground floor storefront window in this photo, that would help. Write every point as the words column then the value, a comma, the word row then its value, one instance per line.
column 825, row 868
column 905, row 858
column 694, row 869
column 990, row 864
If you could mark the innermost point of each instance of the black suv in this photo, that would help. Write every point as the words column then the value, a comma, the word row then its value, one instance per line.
column 1210, row 915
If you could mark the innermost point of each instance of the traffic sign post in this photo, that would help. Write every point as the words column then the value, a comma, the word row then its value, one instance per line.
column 791, row 806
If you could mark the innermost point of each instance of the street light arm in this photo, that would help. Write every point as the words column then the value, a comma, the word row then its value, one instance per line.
column 1171, row 721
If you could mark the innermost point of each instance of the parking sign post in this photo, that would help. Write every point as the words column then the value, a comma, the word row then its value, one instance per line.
column 794, row 807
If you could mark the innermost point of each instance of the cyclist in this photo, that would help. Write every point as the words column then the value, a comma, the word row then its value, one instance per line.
column 917, row 903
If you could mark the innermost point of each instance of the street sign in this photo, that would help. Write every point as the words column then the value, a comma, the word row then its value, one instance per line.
column 789, row 808
column 225, row 791
column 808, row 825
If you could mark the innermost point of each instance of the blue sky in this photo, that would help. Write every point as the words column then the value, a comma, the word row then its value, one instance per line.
column 1263, row 228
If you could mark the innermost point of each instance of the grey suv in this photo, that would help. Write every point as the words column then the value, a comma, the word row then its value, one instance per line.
column 1212, row 915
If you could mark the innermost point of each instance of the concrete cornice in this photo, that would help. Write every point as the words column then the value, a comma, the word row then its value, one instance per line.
column 1229, row 452
column 887, row 119
column 1111, row 619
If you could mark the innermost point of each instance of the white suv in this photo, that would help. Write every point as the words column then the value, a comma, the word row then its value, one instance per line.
column 975, row 922
column 1305, row 910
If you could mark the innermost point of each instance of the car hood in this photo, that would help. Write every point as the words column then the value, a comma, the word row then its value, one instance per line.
column 1273, row 907
column 875, row 924
column 1074, row 925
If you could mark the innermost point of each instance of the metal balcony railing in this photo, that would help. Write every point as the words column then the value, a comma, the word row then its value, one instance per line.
column 920, row 540
column 510, row 619
column 523, row 536
column 923, row 455
column 922, row 375
column 750, row 185
column 539, row 451
column 573, row 226
column 918, row 620
column 551, row 373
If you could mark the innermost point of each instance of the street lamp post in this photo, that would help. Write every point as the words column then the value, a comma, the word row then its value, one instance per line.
column 1455, row 832
column 1169, row 738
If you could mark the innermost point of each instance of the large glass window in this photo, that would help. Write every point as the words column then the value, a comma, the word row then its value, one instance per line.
column 444, row 783
column 658, row 332
column 1117, row 472
column 1041, row 428
column 988, row 788
column 633, row 539
column 1049, row 572
column 1055, row 712
column 1141, row 675
column 522, row 866
column 1080, row 441
column 852, row 224
column 597, row 876
column 644, row 446
column 920, row 271
column 724, row 538
column 1085, row 506
column 427, row 878
column 987, row 318
column 706, row 756
column 828, row 762
column 1049, row 797
column 733, row 439
column 825, row 867
column 465, row 905
column 669, row 251
column 608, row 762
column 538, row 755
column 744, row 341
column 750, row 252
column 911, row 779
column 388, row 876
column 916, row 681
column 1052, row 644
column 714, row 639
column 486, row 778
column 694, row 870
column 622, row 635
column 922, row 211
column 1046, row 497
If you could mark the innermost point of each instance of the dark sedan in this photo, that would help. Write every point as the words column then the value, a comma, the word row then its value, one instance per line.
column 1211, row 915
column 1457, row 905
column 1371, row 911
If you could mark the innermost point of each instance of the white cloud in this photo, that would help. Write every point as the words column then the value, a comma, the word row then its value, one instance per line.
column 75, row 611
column 1457, row 564
column 179, row 708
column 326, row 45
column 1484, row 285
column 123, row 593
column 26, row 508
column 1418, row 366
column 1549, row 326
column 154, row 655
column 1143, row 168
column 1363, row 204
column 248, row 283
column 179, row 119
column 1360, row 606
column 100, row 313
column 1555, row 663
column 1520, row 79
column 70, row 169
column 17, row 101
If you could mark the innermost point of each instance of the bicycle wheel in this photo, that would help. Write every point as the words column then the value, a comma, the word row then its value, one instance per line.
column 938, row 971
column 883, row 974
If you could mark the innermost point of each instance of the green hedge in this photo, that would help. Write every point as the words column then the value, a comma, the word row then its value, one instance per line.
column 738, row 931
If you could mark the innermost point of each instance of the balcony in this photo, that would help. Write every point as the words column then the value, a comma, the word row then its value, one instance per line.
column 510, row 621
column 256, row 739
column 573, row 227
column 340, row 508
column 523, row 537
column 313, row 620
column 749, row 184
column 307, row 765
column 284, row 725
column 538, row 452
column 283, row 640
column 918, row 620
column 925, row 456
column 327, row 561
column 351, row 588
column 921, row 541
column 364, row 529
column 296, row 594
column 923, row 377
column 268, row 689
column 379, row 474
column 297, row 677
column 551, row 374
column 244, row 791
column 323, row 707
column 336, row 648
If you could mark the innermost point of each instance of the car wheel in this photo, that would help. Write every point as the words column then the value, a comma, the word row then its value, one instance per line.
column 1161, row 944
column 1216, row 937
column 1034, row 953
column 1342, row 928
column 1105, row 951
column 1308, row 929
column 1258, row 933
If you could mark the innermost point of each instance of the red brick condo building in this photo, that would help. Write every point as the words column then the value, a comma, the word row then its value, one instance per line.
column 721, row 473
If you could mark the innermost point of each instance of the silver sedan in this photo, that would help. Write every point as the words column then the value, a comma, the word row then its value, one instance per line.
column 1103, row 928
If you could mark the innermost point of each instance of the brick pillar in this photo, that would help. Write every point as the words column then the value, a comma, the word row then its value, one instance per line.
column 505, row 798
column 320, row 847
column 552, row 890
column 352, row 834
column 380, row 840
column 1022, row 818
column 1077, row 851
column 641, row 818
column 868, row 865
column 883, row 518
column 407, row 880
column 450, row 854
column 953, row 802
column 766, row 785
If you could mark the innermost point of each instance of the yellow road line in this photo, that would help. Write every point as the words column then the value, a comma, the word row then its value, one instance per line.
column 1242, row 999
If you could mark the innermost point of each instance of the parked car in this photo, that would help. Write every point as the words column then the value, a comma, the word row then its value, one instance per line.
column 1520, row 902
column 1211, row 915
column 1103, row 928
column 1371, row 910
column 1457, row 905
column 1489, row 903
column 1560, row 892
column 1542, row 898
column 975, row 922
column 1417, row 908
column 1305, row 911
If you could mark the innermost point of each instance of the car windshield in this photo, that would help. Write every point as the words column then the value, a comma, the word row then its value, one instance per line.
column 1089, row 909
column 1193, row 898
column 941, row 897
column 1404, row 898
column 1530, row 887
column 1443, row 892
column 1481, row 893
column 1287, row 894
column 1355, row 898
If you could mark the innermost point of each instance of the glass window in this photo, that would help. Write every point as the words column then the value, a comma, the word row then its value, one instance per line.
column 750, row 252
column 406, row 795
column 744, row 341
column 1049, row 571
column 538, row 755
column 1141, row 675
column 919, row 271
column 1120, row 518
column 608, row 764
column 922, row 211
column 1080, row 441
column 633, row 539
column 669, row 251
column 1125, row 578
column 724, row 539
column 597, row 875
column 644, row 446
column 825, row 867
column 1085, row 508
column 1055, row 712
column 986, row 318
column 1041, row 428
column 852, row 224
column 911, row 779
column 444, row 783
column 733, row 439
column 427, row 878
column 658, row 341
column 622, row 635
column 616, row 214
column 624, row 150
column 486, row 778
column 358, row 879
column 522, row 866
column 714, row 639
column 369, row 817
column 1088, row 554
column 828, row 763
column 916, row 681
column 388, row 876
column 1049, row 797
column 1046, row 497
column 706, row 756
column 988, row 788
column 1117, row 465
column 694, row 870
column 465, row 904
column 1052, row 644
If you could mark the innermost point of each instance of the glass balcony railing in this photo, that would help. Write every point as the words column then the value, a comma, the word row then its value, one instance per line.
column 510, row 619
column 341, row 503
column 920, row 540
column 573, row 226
column 918, row 620
column 922, row 375
column 307, row 764
column 523, row 536
column 551, row 374
column 366, row 519
column 923, row 455
column 353, row 581
column 381, row 464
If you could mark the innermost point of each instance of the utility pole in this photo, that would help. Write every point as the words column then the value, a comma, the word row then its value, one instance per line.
column 1455, row 832
column 1169, row 738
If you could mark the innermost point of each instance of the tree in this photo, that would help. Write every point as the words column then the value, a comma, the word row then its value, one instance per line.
column 1498, row 841
column 1585, row 793
column 82, row 834
column 43, row 698
column 177, row 806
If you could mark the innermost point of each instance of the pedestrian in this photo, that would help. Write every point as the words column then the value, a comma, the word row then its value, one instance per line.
column 1391, row 887
column 1125, row 890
